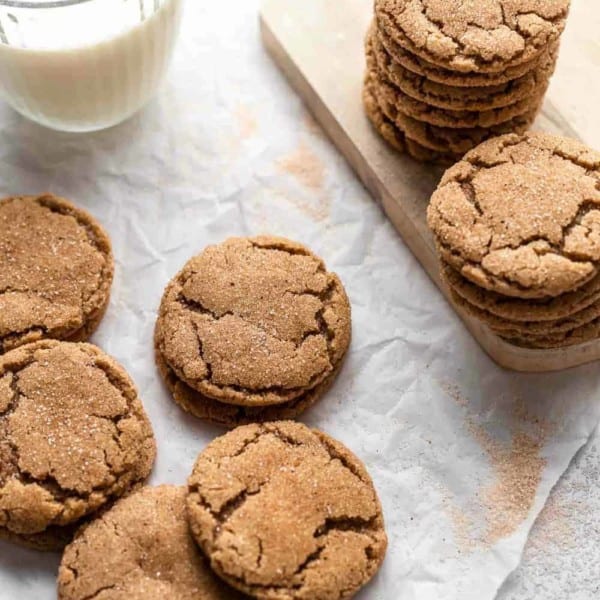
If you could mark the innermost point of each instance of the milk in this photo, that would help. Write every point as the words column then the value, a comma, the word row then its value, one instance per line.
column 92, row 70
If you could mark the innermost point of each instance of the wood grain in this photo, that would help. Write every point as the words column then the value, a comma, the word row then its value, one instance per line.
column 318, row 44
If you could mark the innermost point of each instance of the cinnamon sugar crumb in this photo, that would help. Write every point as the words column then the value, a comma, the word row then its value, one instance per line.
column 306, row 167
column 246, row 121
column 517, row 468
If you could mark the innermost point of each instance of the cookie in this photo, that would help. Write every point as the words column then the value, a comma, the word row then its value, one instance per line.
column 581, row 335
column 456, row 141
column 394, row 101
column 56, row 270
column 457, row 98
column 73, row 438
column 396, row 138
column 529, row 328
column 518, row 310
column 438, row 74
column 254, row 322
column 482, row 37
column 140, row 549
column 230, row 415
column 283, row 511
column 518, row 215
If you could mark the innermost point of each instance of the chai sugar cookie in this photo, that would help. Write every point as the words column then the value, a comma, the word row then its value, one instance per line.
column 438, row 74
column 254, row 322
column 506, row 327
column 520, row 310
column 454, row 140
column 283, row 511
column 580, row 335
column 73, row 438
column 138, row 550
column 518, row 215
column 56, row 270
column 394, row 101
column 395, row 137
column 231, row 415
column 455, row 98
column 482, row 37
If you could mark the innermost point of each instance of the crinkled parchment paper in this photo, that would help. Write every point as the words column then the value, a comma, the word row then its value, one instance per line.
column 463, row 453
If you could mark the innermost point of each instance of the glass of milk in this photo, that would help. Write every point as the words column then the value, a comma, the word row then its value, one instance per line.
column 84, row 65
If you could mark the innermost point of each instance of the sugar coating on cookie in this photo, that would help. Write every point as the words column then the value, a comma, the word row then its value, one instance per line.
column 283, row 511
column 438, row 74
column 395, row 137
column 254, row 322
column 56, row 270
column 452, row 97
column 232, row 415
column 73, row 437
column 520, row 215
column 476, row 35
column 141, row 549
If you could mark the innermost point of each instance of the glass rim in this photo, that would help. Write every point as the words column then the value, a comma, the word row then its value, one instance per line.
column 40, row 3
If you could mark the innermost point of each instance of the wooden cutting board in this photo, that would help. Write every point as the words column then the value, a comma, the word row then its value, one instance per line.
column 318, row 44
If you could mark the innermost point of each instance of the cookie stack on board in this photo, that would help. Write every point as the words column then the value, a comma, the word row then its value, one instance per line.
column 252, row 330
column 445, row 75
column 517, row 227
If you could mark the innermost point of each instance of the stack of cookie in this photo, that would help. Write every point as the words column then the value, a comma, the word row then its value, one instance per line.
column 443, row 75
column 252, row 330
column 271, row 511
column 517, row 227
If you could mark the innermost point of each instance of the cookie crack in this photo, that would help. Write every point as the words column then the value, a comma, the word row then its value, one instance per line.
column 466, row 185
column 94, row 241
column 49, row 482
column 355, row 524
column 477, row 59
column 282, row 247
column 95, row 594
column 15, row 335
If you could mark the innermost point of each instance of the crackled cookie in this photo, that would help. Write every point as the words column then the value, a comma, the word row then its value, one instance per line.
column 283, row 511
column 73, row 438
column 450, row 139
column 482, row 37
column 231, row 415
column 435, row 73
column 254, row 322
column 502, row 313
column 454, row 98
column 56, row 270
column 141, row 549
column 518, row 215
column 396, row 138
column 506, row 327
column 580, row 335
column 517, row 309
column 394, row 101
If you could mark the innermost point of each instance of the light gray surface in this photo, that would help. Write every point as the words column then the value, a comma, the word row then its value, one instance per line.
column 228, row 149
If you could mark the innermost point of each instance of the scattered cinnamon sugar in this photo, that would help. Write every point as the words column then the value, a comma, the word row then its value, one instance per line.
column 509, row 499
column 246, row 121
column 517, row 466
column 553, row 527
column 462, row 526
column 306, row 167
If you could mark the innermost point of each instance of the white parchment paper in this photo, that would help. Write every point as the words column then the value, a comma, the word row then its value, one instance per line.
column 463, row 454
